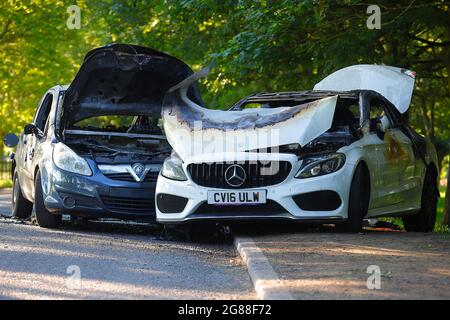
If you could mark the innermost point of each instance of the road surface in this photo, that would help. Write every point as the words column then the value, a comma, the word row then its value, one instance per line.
column 113, row 262
column 104, row 260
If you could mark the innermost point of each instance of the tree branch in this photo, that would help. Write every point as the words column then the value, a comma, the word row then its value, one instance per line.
column 432, row 43
column 5, row 29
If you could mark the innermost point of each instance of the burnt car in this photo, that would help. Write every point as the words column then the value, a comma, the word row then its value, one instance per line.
column 337, row 154
column 95, row 147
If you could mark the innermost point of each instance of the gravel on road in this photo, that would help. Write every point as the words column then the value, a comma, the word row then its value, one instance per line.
column 113, row 262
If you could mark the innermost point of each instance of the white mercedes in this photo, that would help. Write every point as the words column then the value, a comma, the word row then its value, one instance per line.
column 337, row 154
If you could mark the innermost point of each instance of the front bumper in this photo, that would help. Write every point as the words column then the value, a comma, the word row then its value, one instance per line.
column 98, row 196
column 293, row 199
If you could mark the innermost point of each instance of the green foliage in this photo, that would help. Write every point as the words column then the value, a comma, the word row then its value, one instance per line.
column 37, row 51
column 5, row 184
column 257, row 45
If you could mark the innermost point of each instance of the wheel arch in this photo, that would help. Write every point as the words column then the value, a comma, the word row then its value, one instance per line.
column 366, row 168
column 13, row 168
column 433, row 170
column 367, row 180
column 36, row 170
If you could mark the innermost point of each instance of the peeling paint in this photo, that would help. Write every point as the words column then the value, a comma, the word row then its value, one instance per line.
column 395, row 150
column 122, row 79
column 192, row 129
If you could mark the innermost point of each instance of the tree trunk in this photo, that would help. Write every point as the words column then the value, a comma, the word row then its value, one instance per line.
column 426, row 118
column 445, row 221
column 432, row 136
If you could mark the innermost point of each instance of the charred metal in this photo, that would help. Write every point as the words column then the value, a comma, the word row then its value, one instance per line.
column 123, row 79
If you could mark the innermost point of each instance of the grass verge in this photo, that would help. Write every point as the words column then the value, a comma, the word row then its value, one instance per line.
column 5, row 183
column 440, row 212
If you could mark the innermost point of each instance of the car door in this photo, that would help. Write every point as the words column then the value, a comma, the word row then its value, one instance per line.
column 404, row 183
column 31, row 143
column 396, row 161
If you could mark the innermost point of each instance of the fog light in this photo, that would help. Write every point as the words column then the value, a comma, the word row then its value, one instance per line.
column 69, row 202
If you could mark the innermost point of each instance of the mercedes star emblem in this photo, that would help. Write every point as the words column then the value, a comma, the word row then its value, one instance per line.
column 235, row 175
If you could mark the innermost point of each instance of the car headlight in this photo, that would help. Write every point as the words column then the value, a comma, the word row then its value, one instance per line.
column 66, row 159
column 173, row 169
column 320, row 165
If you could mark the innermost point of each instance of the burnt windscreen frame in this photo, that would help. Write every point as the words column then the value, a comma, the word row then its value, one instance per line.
column 366, row 96
column 364, row 107
column 347, row 113
column 272, row 103
column 287, row 99
column 395, row 117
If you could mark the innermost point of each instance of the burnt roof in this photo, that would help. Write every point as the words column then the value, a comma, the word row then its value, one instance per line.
column 301, row 95
column 296, row 96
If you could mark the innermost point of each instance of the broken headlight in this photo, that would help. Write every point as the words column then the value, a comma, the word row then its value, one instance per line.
column 320, row 165
column 66, row 159
column 173, row 169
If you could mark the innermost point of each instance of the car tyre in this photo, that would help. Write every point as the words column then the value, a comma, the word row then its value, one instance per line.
column 21, row 207
column 44, row 218
column 358, row 203
column 425, row 219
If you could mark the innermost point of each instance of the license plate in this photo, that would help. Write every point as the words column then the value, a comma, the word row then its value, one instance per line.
column 236, row 197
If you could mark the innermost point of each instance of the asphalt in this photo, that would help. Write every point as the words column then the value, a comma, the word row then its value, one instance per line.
column 114, row 261
column 267, row 261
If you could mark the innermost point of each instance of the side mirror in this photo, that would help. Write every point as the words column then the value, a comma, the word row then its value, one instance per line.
column 11, row 140
column 30, row 129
